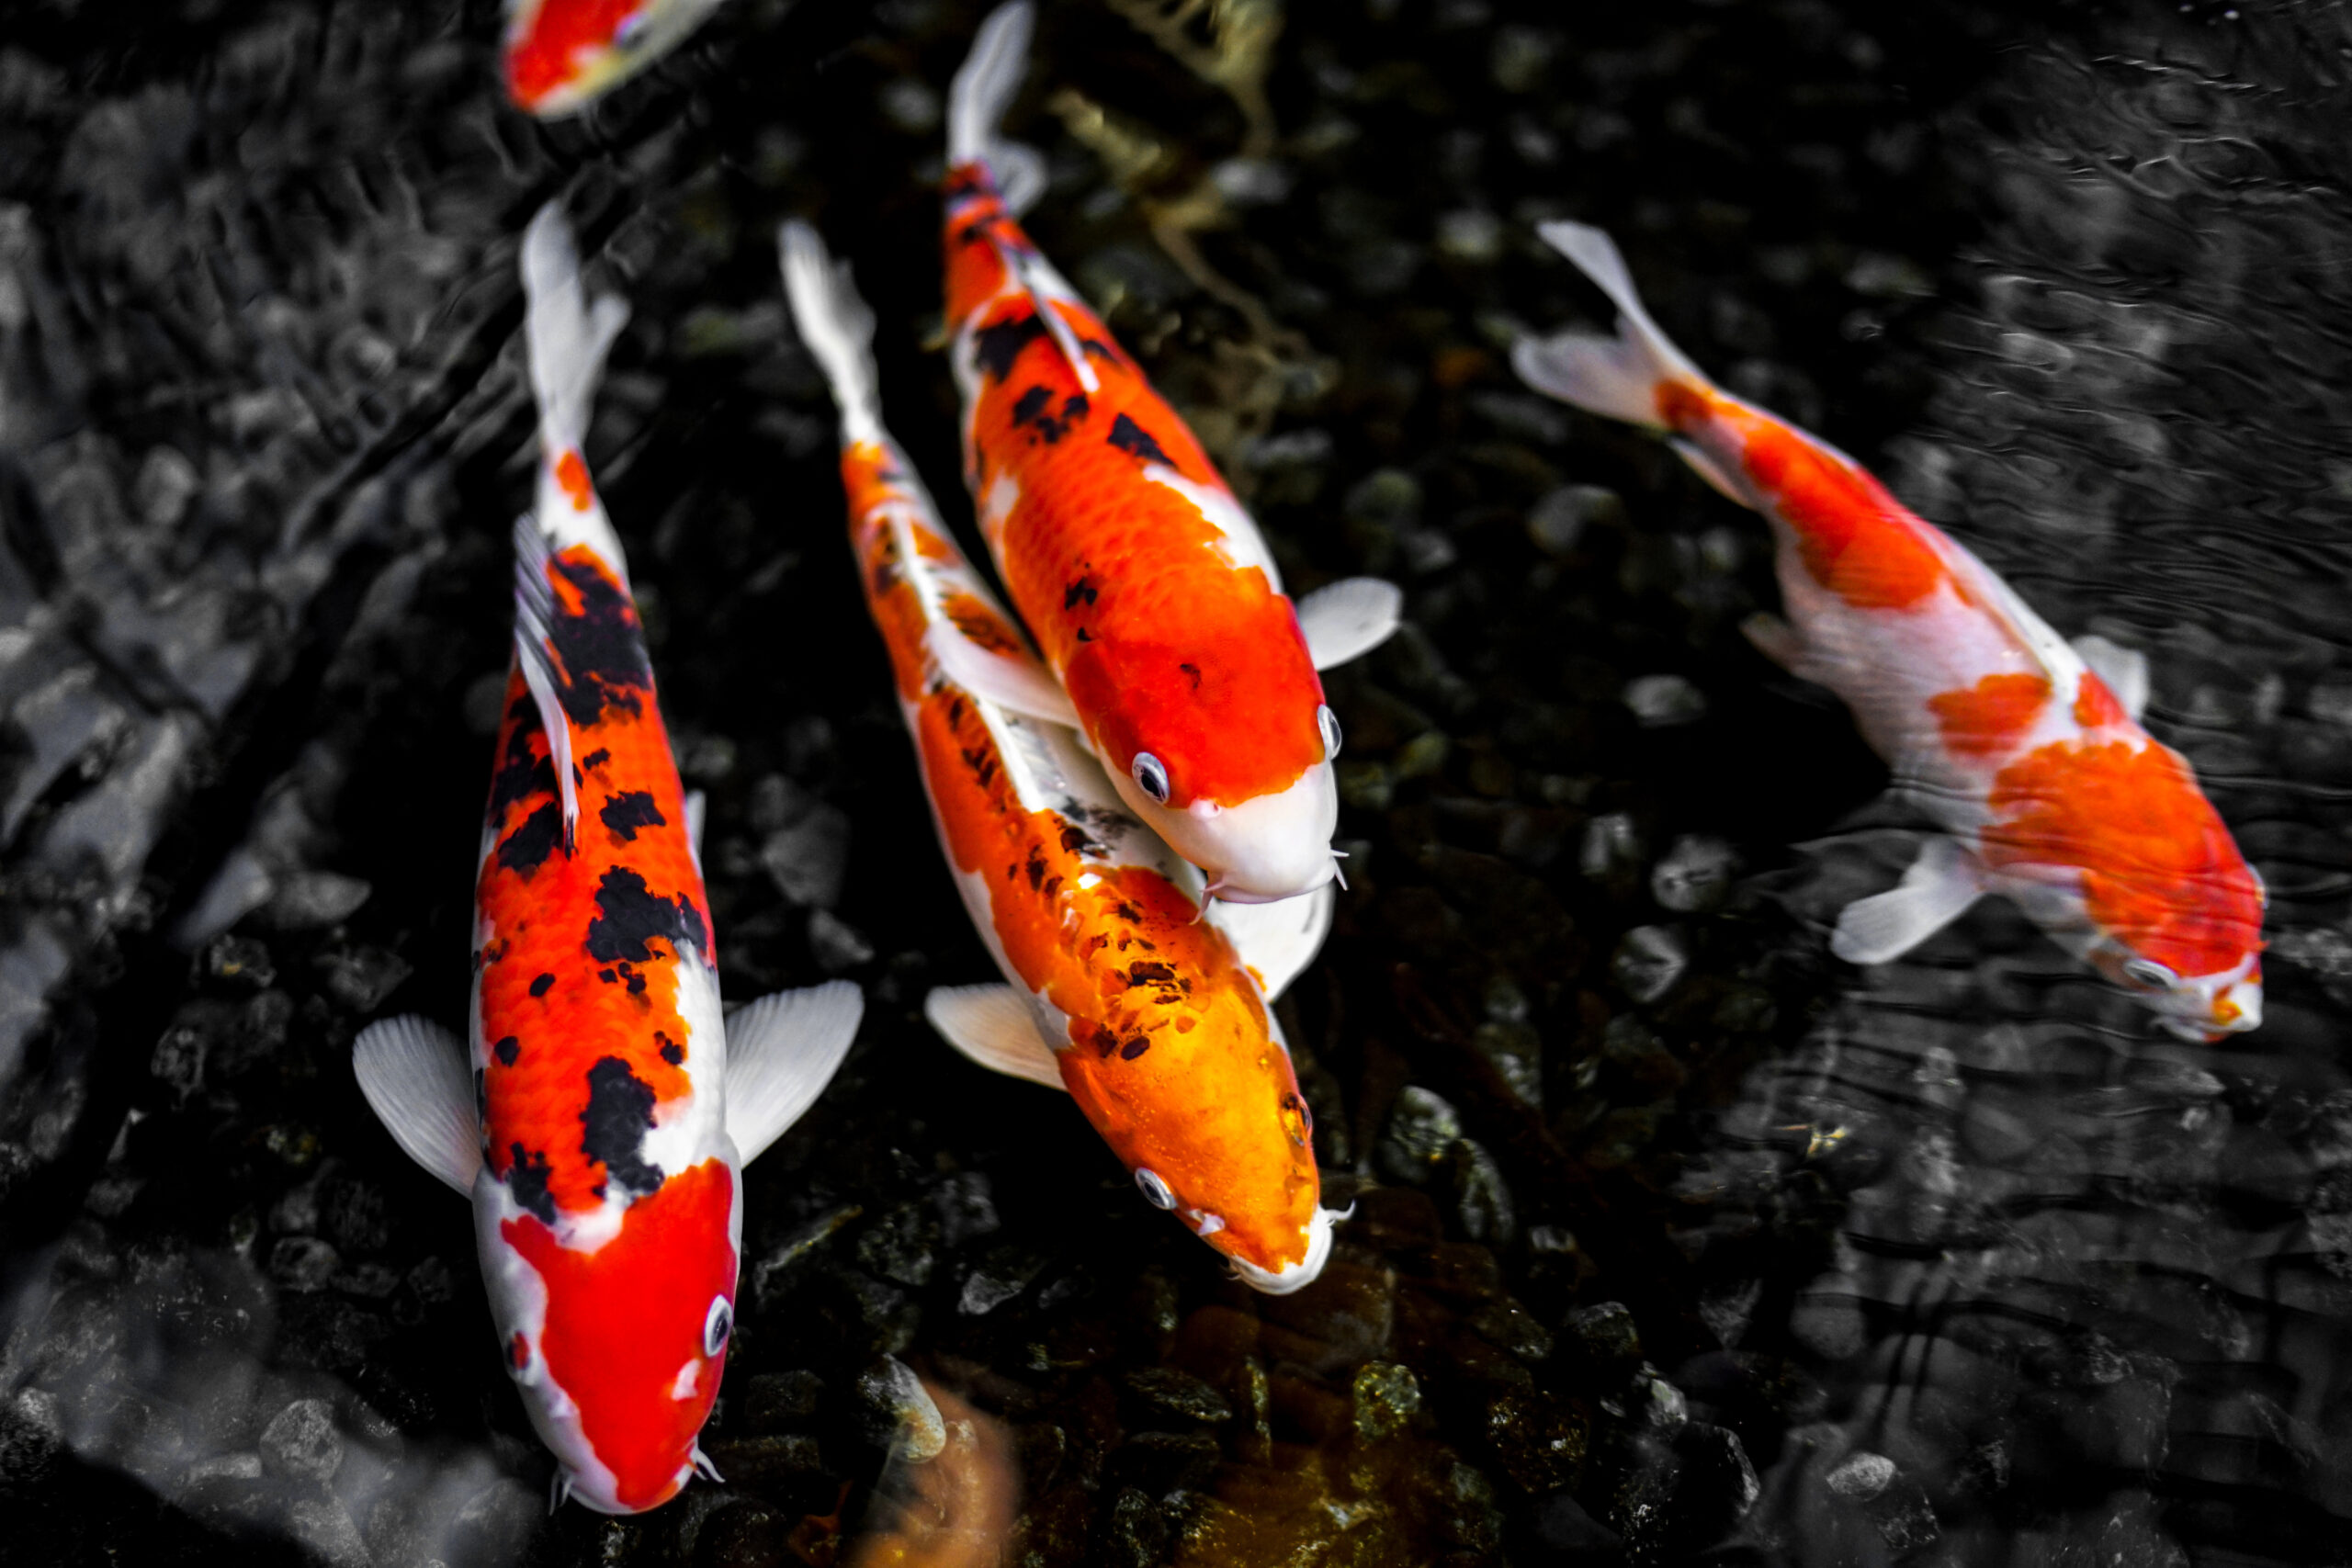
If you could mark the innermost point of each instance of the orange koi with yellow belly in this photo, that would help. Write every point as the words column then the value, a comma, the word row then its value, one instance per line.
column 2026, row 750
column 1152, row 595
column 601, row 1114
column 1156, row 1019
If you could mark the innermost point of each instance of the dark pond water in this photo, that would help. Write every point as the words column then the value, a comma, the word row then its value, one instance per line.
column 1675, row 1240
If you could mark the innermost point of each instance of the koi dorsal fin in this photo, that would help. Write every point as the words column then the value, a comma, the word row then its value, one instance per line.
column 535, row 650
column 781, row 1053
column 414, row 1073
column 1039, row 282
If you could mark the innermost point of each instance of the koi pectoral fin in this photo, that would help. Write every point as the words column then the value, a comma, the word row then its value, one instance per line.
column 781, row 1053
column 1276, row 940
column 1701, row 462
column 1938, row 889
column 1775, row 639
column 1011, row 681
column 1347, row 619
column 2125, row 670
column 414, row 1073
column 993, row 1026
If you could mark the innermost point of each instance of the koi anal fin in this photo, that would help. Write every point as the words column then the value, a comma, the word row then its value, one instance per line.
column 993, row 1026
column 1938, row 889
column 1010, row 680
column 535, row 652
column 2125, row 670
column 1617, row 377
column 1700, row 462
column 781, row 1053
column 1277, row 941
column 414, row 1073
column 1347, row 619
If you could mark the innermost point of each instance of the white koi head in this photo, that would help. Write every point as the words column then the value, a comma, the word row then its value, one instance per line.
column 1256, row 851
column 2207, row 1009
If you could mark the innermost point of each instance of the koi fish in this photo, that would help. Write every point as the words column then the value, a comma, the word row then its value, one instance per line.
column 2026, row 750
column 562, row 55
column 599, row 1118
column 1155, row 601
column 1121, row 992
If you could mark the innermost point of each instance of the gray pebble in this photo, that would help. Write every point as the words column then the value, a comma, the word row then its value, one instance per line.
column 300, row 1441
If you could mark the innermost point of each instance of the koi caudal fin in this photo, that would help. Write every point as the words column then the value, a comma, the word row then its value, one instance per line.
column 837, row 326
column 1618, row 377
column 983, row 90
column 567, row 338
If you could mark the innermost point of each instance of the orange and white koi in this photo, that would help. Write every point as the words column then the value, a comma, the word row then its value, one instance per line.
column 601, row 1123
column 1155, row 1020
column 1152, row 595
column 562, row 55
column 2026, row 750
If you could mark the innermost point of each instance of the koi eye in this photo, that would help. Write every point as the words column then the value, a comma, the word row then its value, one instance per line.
column 2148, row 973
column 1155, row 1192
column 717, row 1326
column 1150, row 776
column 1328, row 723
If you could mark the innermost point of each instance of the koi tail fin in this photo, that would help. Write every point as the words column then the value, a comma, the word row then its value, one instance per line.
column 983, row 90
column 836, row 325
column 567, row 337
column 1618, row 377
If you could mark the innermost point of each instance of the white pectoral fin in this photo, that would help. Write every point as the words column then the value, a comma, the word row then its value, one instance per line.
column 1938, row 889
column 781, row 1053
column 1015, row 681
column 993, row 1026
column 698, row 813
column 414, row 1073
column 1703, row 463
column 1347, row 619
column 1775, row 639
column 2125, row 670
column 1277, row 941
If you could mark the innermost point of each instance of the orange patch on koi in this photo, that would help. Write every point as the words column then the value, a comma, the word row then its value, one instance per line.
column 2159, row 869
column 572, row 477
column 1992, row 716
column 2095, row 703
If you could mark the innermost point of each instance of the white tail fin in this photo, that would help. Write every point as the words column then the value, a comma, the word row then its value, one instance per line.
column 567, row 337
column 983, row 90
column 1616, row 376
column 835, row 323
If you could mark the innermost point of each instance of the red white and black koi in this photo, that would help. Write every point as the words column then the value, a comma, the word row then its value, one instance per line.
column 1153, row 600
column 603, row 1124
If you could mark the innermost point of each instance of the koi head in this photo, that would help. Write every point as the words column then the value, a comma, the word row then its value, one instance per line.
column 1253, row 803
column 2166, row 906
column 616, row 1327
column 1195, row 1095
column 562, row 55
column 2207, row 1009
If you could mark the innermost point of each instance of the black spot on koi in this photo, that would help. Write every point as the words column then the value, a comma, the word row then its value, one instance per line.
column 618, row 1114
column 1130, row 438
column 527, row 1179
column 506, row 1051
column 631, row 914
column 527, row 848
column 997, row 344
column 600, row 649
column 625, row 814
